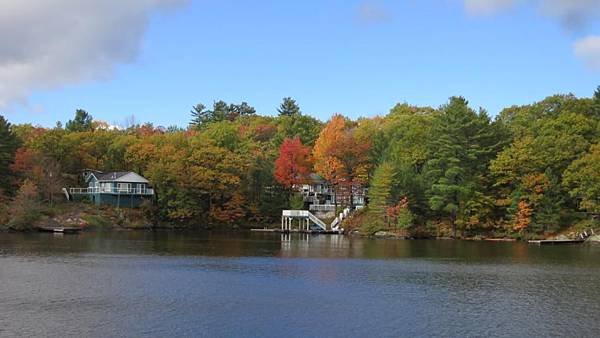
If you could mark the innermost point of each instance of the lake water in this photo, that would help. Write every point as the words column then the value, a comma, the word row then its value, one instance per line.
column 159, row 284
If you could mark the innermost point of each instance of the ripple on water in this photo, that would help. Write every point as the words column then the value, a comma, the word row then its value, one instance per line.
column 187, row 284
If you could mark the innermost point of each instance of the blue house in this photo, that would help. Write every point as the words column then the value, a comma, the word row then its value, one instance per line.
column 119, row 188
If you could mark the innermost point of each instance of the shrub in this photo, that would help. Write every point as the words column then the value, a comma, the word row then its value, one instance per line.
column 25, row 208
column 95, row 221
column 296, row 202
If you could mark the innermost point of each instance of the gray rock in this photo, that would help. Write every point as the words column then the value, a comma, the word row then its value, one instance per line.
column 595, row 238
column 385, row 234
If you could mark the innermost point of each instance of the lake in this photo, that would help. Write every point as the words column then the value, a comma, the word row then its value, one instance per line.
column 172, row 283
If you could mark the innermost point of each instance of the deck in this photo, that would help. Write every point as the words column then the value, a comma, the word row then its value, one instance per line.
column 556, row 241
column 111, row 190
column 298, row 231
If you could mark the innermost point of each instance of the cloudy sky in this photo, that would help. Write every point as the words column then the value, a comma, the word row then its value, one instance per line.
column 156, row 58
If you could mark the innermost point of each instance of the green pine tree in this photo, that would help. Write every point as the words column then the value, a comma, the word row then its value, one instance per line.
column 82, row 122
column 8, row 146
column 464, row 145
column 380, row 192
column 199, row 115
column 289, row 107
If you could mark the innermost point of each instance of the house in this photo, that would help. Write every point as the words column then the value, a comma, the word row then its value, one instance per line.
column 320, row 195
column 120, row 188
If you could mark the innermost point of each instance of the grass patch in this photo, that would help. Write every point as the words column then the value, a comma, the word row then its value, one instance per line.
column 97, row 222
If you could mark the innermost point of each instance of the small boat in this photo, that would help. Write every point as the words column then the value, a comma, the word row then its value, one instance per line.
column 62, row 230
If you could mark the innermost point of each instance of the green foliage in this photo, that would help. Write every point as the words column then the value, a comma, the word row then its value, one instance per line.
column 405, row 219
column 82, row 122
column 289, row 107
column 225, row 135
column 371, row 224
column 8, row 147
column 97, row 222
column 533, row 170
column 582, row 178
column 4, row 218
column 380, row 192
column 221, row 111
column 303, row 126
column 24, row 210
column 296, row 202
column 464, row 145
column 266, row 198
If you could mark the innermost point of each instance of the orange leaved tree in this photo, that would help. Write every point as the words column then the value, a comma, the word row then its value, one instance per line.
column 341, row 157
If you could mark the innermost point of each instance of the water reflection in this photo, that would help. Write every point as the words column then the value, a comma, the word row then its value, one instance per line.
column 246, row 244
column 245, row 284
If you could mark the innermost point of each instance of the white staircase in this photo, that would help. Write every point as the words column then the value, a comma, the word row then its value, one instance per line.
column 287, row 215
column 317, row 221
column 335, row 225
column 306, row 217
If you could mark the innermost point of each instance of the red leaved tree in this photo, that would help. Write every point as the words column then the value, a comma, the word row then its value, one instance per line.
column 293, row 165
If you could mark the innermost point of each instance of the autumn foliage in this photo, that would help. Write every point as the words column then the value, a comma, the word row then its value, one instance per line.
column 523, row 217
column 341, row 157
column 293, row 164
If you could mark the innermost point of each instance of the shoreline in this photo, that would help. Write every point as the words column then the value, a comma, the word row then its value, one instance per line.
column 89, row 218
column 250, row 230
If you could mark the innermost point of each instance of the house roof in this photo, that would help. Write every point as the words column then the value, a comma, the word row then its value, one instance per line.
column 118, row 176
column 314, row 178
column 111, row 176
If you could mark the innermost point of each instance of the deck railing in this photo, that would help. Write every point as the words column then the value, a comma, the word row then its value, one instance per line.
column 322, row 207
column 111, row 190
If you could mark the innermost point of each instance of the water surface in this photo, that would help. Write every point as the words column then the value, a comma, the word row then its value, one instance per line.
column 158, row 284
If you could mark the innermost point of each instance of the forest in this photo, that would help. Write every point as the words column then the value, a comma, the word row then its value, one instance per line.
column 531, row 170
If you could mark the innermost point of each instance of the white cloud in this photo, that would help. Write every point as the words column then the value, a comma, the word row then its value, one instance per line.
column 487, row 7
column 588, row 50
column 48, row 44
column 370, row 12
column 573, row 14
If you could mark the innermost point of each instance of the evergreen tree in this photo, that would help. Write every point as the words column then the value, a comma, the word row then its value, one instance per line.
column 8, row 146
column 82, row 122
column 220, row 111
column 237, row 110
column 289, row 107
column 596, row 103
column 460, row 154
column 199, row 115
column 380, row 193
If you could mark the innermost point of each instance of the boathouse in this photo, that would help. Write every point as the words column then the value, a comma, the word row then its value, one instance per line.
column 119, row 188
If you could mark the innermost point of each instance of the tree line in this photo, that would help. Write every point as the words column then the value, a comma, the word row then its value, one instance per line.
column 532, row 169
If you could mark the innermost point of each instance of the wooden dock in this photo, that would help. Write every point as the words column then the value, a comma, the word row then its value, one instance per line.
column 62, row 230
column 556, row 241
column 296, row 231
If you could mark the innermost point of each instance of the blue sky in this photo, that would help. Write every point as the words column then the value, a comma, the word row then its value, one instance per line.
column 358, row 58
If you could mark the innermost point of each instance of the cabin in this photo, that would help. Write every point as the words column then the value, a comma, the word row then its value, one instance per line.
column 321, row 197
column 118, row 188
